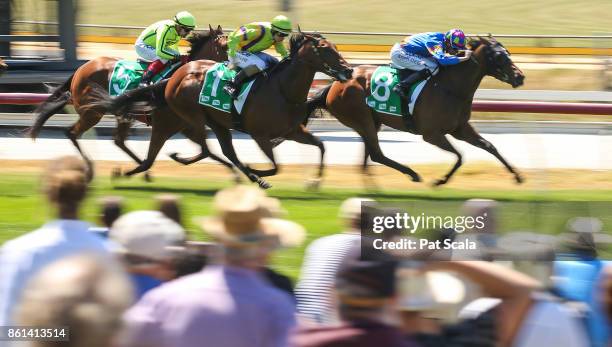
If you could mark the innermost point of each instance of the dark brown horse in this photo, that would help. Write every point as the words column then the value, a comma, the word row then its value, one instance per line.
column 275, row 108
column 77, row 90
column 444, row 106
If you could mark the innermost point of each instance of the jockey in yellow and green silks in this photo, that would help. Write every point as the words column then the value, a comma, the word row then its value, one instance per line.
column 158, row 43
column 245, row 48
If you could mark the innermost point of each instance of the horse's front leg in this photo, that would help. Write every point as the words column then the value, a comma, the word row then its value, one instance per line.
column 224, row 136
column 468, row 134
column 302, row 135
column 266, row 146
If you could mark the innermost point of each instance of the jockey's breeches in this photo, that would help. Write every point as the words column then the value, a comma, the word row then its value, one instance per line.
column 403, row 60
column 243, row 59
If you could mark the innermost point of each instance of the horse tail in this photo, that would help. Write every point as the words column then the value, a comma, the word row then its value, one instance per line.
column 60, row 97
column 122, row 104
column 318, row 101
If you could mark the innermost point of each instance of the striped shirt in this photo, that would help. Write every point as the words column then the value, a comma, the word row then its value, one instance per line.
column 315, row 290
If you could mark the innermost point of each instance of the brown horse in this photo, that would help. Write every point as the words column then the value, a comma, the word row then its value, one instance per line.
column 275, row 108
column 77, row 90
column 444, row 106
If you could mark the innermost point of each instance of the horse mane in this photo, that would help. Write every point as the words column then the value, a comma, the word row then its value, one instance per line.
column 297, row 39
column 197, row 40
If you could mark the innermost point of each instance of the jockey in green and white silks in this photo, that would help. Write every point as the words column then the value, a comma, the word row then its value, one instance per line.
column 245, row 48
column 158, row 43
column 419, row 56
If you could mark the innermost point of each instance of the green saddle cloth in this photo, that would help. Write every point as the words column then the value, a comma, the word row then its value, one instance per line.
column 382, row 98
column 212, row 93
column 127, row 75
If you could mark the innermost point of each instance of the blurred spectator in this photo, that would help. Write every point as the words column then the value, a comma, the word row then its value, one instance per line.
column 366, row 292
column 145, row 239
column 322, row 258
column 111, row 209
column 547, row 320
column 194, row 256
column 169, row 205
column 84, row 293
column 579, row 275
column 224, row 305
column 495, row 327
column 484, row 237
column 65, row 186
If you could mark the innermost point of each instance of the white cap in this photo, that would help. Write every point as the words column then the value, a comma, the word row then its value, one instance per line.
column 146, row 233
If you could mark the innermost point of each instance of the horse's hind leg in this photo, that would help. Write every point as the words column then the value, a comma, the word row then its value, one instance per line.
column 439, row 140
column 302, row 135
column 121, row 134
column 468, row 134
column 86, row 121
column 161, row 131
column 370, row 140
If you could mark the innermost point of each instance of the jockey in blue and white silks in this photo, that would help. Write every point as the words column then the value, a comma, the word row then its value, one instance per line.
column 419, row 56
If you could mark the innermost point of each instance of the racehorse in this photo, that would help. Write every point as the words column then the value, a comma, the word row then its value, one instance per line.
column 78, row 88
column 3, row 66
column 274, row 109
column 444, row 106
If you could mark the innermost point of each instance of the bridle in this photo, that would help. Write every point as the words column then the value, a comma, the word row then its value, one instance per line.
column 327, row 69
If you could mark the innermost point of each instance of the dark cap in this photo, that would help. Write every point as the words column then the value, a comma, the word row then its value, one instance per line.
column 365, row 283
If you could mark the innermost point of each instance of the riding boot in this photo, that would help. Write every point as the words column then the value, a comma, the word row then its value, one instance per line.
column 153, row 69
column 406, row 81
column 233, row 87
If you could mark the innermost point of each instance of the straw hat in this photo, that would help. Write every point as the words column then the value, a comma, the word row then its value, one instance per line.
column 246, row 216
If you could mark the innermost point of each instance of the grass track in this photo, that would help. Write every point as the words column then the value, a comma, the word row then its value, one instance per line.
column 22, row 209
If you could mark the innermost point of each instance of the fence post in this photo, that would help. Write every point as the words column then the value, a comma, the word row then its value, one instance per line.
column 67, row 29
column 5, row 26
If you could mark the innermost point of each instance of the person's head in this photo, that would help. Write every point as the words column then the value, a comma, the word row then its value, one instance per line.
column 484, row 212
column 185, row 23
column 169, row 205
column 65, row 185
column 111, row 209
column 84, row 293
column 146, row 242
column 281, row 28
column 350, row 212
column 247, row 226
column 454, row 41
column 366, row 289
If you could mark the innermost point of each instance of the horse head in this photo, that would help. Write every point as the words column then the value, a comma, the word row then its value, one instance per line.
column 322, row 54
column 3, row 66
column 496, row 60
column 211, row 45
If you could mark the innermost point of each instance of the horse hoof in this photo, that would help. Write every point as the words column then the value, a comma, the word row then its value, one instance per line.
column 313, row 184
column 519, row 179
column 263, row 184
column 439, row 182
column 416, row 178
column 174, row 156
column 147, row 177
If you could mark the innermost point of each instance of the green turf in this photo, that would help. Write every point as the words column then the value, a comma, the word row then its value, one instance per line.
column 22, row 208
column 495, row 16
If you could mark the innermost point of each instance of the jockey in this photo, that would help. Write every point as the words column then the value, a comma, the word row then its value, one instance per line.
column 158, row 44
column 419, row 55
column 245, row 48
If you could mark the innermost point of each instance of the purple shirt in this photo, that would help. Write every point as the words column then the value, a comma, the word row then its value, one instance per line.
column 219, row 306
